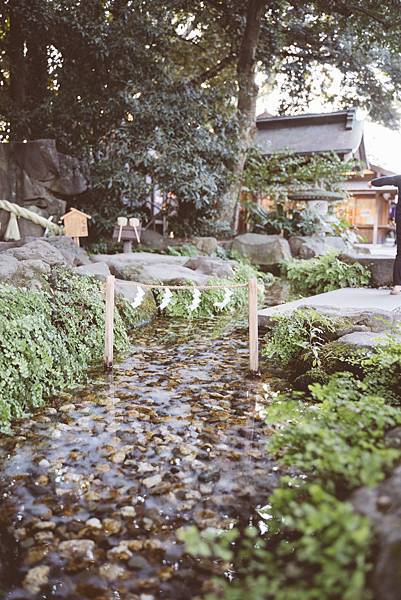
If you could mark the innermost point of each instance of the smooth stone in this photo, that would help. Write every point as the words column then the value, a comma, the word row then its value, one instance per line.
column 78, row 550
column 307, row 247
column 99, row 270
column 36, row 578
column 38, row 250
column 207, row 265
column 263, row 250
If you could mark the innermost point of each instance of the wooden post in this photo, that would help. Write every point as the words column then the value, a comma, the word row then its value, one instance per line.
column 253, row 326
column 127, row 246
column 109, row 324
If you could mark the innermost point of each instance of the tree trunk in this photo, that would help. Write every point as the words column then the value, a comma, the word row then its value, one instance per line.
column 246, row 106
column 37, row 79
column 15, row 51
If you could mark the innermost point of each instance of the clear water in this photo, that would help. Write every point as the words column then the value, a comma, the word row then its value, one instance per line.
column 174, row 437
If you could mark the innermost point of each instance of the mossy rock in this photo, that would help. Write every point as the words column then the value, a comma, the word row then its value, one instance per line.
column 338, row 357
column 315, row 375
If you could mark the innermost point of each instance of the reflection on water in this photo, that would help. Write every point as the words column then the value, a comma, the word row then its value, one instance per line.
column 94, row 487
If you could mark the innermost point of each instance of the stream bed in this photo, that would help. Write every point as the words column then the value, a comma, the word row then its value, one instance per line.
column 94, row 486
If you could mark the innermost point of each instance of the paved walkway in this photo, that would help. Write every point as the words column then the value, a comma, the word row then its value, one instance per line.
column 347, row 301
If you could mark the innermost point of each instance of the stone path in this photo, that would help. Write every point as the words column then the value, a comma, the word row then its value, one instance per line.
column 377, row 305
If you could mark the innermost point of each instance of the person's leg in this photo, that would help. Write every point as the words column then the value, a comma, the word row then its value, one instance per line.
column 397, row 262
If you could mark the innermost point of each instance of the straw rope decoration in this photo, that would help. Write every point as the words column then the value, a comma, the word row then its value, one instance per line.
column 196, row 294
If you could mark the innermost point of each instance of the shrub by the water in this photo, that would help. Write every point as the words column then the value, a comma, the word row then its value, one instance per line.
column 181, row 300
column 48, row 338
column 323, row 274
column 299, row 339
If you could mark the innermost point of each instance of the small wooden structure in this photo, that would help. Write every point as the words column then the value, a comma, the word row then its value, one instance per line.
column 127, row 231
column 76, row 224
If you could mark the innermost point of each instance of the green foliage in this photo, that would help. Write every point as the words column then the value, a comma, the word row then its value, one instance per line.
column 279, row 174
column 183, row 250
column 382, row 369
column 284, row 220
column 178, row 306
column 48, row 338
column 339, row 442
column 299, row 338
column 323, row 274
column 315, row 547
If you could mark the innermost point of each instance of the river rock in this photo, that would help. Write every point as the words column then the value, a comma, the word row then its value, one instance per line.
column 36, row 578
column 311, row 246
column 98, row 270
column 38, row 250
column 78, row 550
column 264, row 250
column 207, row 245
column 207, row 265
column 111, row 572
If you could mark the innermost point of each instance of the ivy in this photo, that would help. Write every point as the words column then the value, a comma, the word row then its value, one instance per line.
column 323, row 274
column 48, row 338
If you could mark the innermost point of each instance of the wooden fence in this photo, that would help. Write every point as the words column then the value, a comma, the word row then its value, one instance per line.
column 252, row 286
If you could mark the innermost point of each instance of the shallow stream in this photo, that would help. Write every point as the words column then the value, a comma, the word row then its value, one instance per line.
column 94, row 487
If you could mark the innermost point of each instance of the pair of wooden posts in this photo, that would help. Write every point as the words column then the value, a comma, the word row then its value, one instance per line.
column 252, row 322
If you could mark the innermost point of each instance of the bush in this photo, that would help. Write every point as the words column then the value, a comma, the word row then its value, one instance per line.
column 181, row 300
column 297, row 340
column 315, row 547
column 323, row 274
column 48, row 338
column 340, row 440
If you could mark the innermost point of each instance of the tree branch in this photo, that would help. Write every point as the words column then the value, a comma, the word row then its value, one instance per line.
column 214, row 71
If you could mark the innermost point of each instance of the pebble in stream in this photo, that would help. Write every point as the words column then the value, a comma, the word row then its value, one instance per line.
column 94, row 488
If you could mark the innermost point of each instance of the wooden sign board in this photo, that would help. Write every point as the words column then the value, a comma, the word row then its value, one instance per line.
column 76, row 223
column 127, row 233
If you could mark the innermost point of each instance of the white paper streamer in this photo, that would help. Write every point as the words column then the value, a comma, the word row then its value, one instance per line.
column 196, row 298
column 227, row 297
column 139, row 297
column 167, row 296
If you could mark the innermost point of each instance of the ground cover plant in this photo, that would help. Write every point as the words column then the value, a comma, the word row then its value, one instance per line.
column 323, row 274
column 308, row 542
column 243, row 272
column 49, row 337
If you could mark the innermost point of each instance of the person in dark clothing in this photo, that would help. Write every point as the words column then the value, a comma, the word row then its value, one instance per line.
column 396, row 181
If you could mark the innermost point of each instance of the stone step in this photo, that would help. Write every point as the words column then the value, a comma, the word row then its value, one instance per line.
column 375, row 307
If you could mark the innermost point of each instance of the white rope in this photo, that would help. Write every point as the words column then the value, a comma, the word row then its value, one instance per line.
column 12, row 232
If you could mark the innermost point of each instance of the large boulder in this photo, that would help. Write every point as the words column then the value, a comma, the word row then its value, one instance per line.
column 129, row 291
column 38, row 250
column 8, row 266
column 207, row 265
column 264, row 250
column 31, row 274
column 73, row 254
column 380, row 267
column 153, row 239
column 311, row 246
column 207, row 245
column 368, row 339
column 98, row 270
column 382, row 505
column 148, row 267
